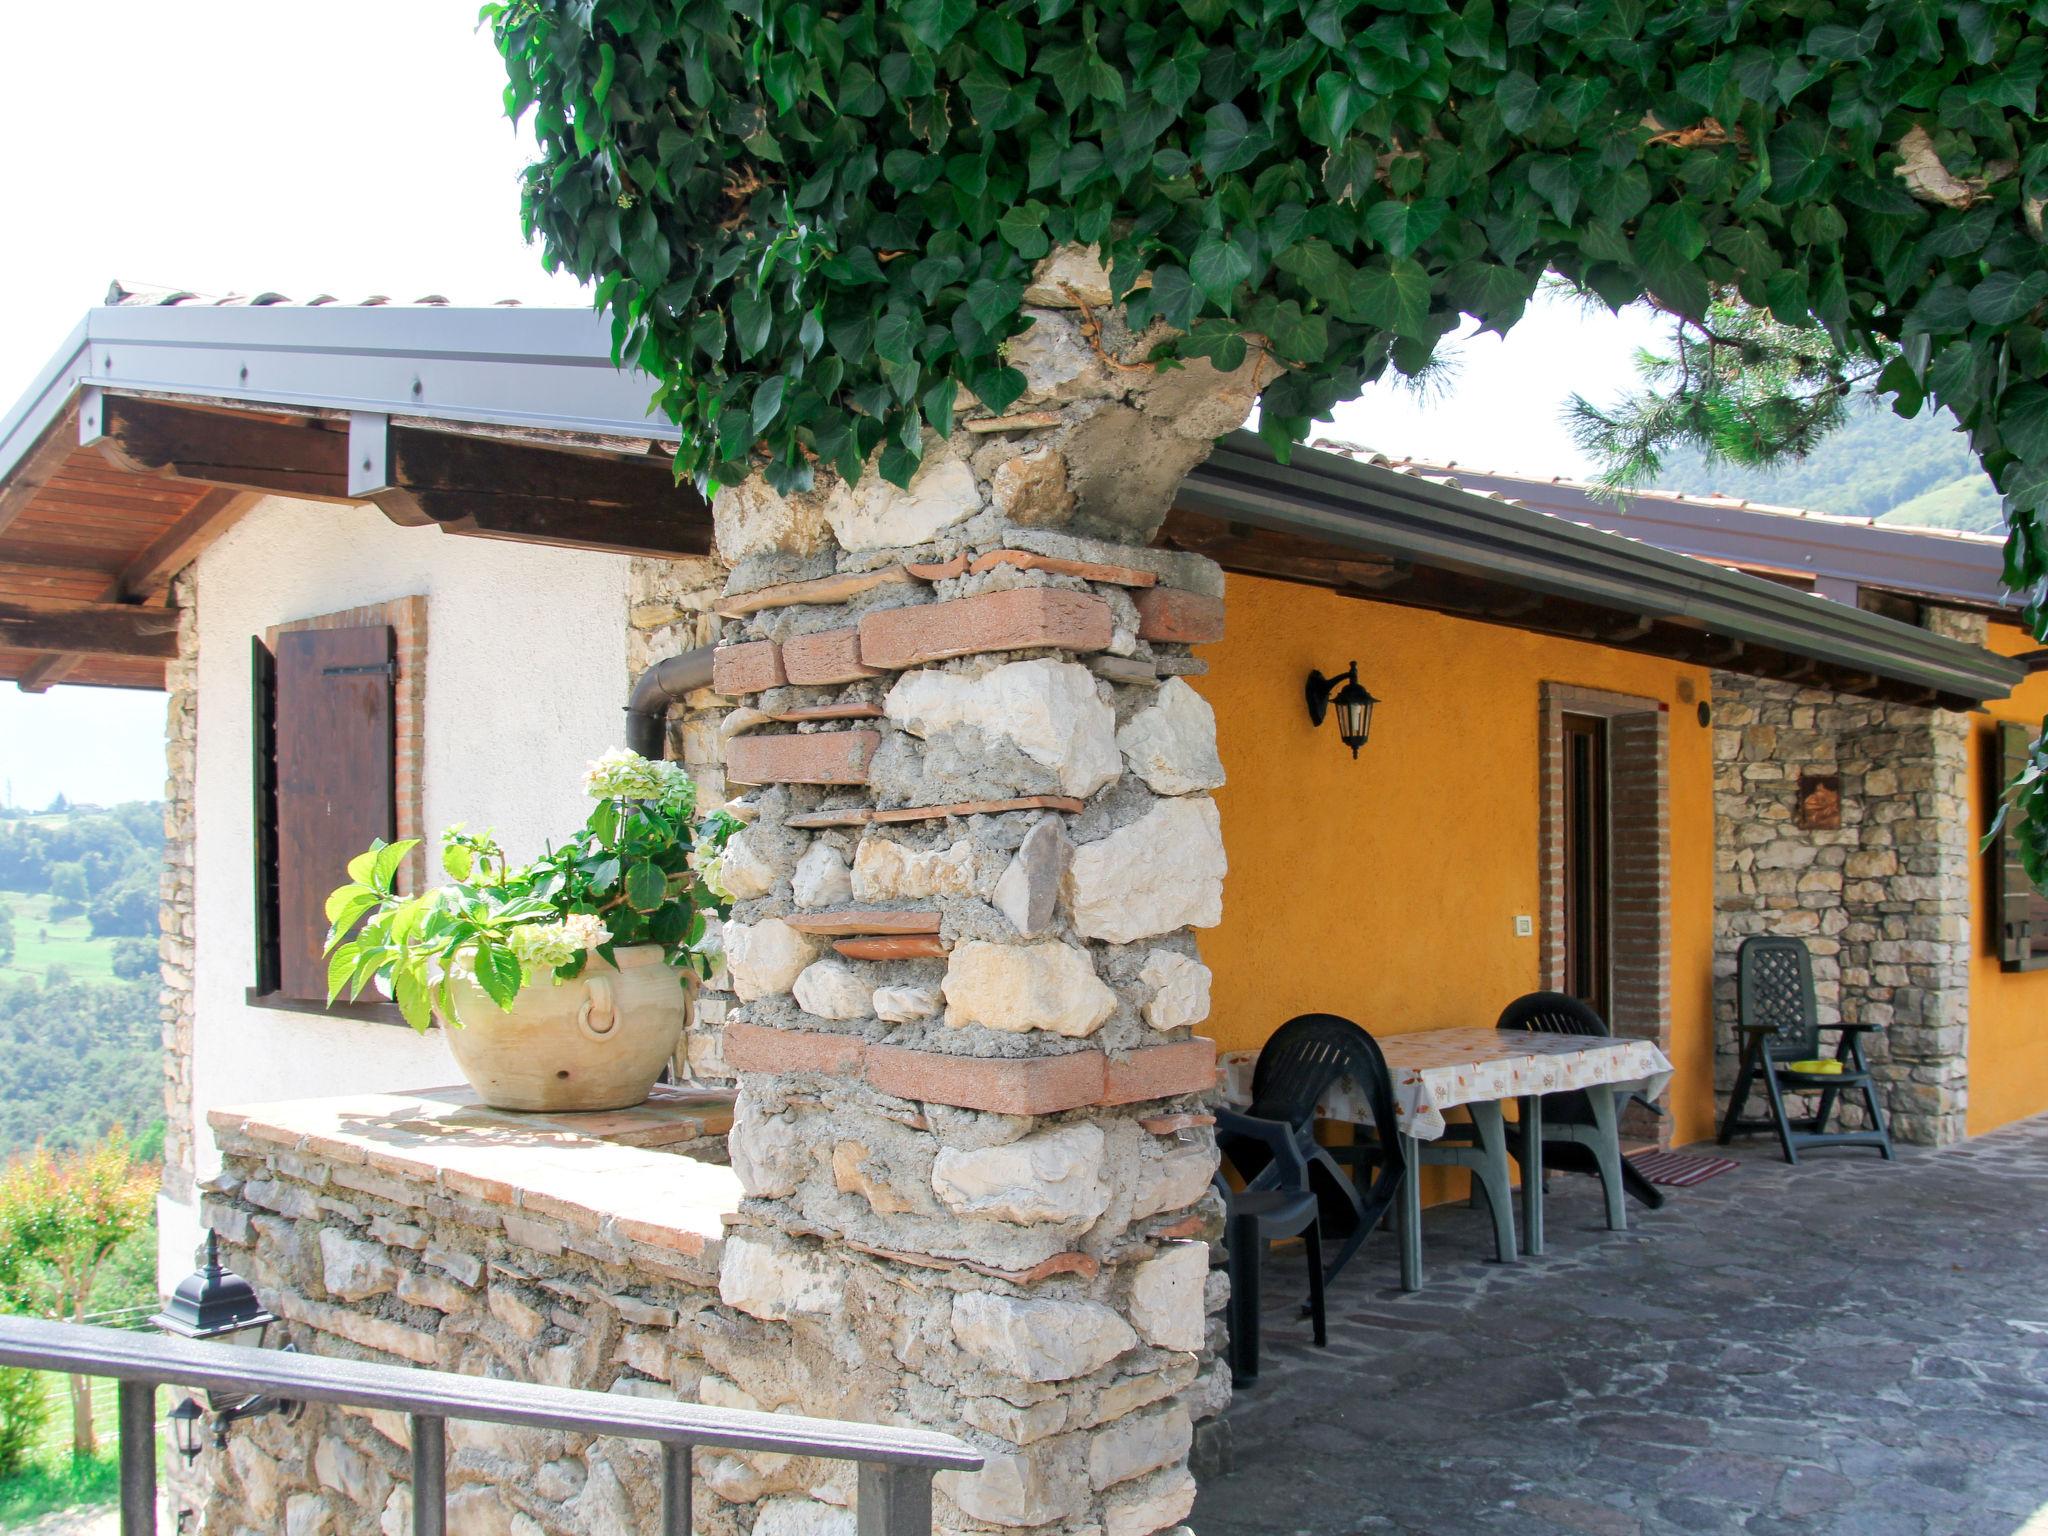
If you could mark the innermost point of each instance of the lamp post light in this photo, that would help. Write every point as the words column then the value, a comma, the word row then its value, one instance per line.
column 1348, row 696
column 215, row 1305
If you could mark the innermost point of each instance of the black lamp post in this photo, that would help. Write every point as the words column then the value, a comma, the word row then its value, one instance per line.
column 1348, row 696
column 213, row 1304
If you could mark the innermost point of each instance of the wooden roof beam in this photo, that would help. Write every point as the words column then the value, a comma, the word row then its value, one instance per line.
column 499, row 488
column 48, row 671
column 236, row 449
column 149, row 574
column 91, row 629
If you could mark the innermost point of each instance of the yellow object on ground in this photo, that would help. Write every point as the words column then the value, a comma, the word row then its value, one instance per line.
column 1825, row 1067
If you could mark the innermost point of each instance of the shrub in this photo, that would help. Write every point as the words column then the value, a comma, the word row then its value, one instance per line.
column 24, row 1414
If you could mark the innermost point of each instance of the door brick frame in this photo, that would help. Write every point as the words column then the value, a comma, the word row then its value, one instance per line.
column 1639, row 811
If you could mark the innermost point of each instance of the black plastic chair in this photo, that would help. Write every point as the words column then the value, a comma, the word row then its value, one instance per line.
column 1573, row 1139
column 1307, row 1056
column 1779, row 1023
column 1254, row 1219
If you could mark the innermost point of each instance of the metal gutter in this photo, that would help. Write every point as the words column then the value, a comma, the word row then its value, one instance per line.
column 551, row 369
column 1387, row 513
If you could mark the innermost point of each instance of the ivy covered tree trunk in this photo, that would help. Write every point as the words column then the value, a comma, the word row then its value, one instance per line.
column 964, row 982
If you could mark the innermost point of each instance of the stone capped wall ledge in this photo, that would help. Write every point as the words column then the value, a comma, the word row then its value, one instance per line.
column 1036, row 1085
column 863, row 920
column 626, row 1175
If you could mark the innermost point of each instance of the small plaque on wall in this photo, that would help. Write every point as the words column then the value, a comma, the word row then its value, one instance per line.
column 1820, row 802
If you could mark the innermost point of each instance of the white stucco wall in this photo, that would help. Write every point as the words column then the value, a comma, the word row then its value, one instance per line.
column 526, row 680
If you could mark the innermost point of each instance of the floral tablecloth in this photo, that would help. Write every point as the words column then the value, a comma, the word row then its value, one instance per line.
column 1435, row 1069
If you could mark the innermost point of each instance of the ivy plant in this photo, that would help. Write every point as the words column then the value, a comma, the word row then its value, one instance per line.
column 813, row 224
column 641, row 870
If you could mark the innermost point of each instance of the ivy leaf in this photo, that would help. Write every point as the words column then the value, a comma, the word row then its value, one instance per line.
column 1402, row 227
column 1394, row 296
column 1023, row 230
column 768, row 401
column 2004, row 297
column 1227, row 142
column 1219, row 266
column 937, row 405
column 933, row 22
column 895, row 334
column 2023, row 421
column 1519, row 99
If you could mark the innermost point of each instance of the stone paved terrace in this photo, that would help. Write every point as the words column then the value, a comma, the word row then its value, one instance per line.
column 1848, row 1348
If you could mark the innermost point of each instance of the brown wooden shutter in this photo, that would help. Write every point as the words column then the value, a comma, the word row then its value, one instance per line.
column 2022, row 910
column 335, row 781
column 263, row 809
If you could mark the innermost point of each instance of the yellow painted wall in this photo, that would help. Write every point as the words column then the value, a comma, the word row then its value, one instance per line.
column 2008, row 1009
column 1386, row 889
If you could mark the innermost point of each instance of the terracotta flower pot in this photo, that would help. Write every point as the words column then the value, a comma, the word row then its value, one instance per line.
column 598, row 1042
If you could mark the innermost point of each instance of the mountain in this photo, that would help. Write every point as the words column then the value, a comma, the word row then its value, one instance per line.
column 1903, row 471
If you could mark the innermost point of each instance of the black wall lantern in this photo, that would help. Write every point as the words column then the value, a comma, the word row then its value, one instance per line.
column 1352, row 703
column 215, row 1305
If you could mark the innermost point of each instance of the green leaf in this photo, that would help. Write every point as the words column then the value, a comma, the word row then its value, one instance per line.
column 2004, row 297
column 498, row 973
column 753, row 319
column 646, row 886
column 895, row 335
column 934, row 22
column 1394, row 295
column 1218, row 267
column 1227, row 141
column 1519, row 100
column 341, row 965
column 767, row 402
column 1403, row 227
column 457, row 860
column 409, row 990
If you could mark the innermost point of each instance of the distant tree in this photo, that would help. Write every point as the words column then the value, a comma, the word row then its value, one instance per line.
column 61, row 1217
column 57, row 974
column 68, row 883
column 58, row 806
column 134, row 959
column 6, row 933
column 128, row 909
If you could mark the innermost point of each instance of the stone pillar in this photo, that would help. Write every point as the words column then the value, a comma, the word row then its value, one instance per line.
column 174, row 891
column 963, row 981
column 1882, row 898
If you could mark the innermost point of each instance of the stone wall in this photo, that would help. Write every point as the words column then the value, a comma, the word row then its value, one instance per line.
column 577, row 1251
column 961, row 973
column 1882, row 900
column 175, row 921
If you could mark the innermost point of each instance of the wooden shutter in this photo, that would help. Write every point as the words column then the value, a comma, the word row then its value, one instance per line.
column 263, row 810
column 2022, row 910
column 335, row 781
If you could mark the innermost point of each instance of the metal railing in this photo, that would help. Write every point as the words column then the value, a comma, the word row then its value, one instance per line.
column 894, row 1495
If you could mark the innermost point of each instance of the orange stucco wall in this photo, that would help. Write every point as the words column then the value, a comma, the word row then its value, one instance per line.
column 2008, row 1010
column 1386, row 889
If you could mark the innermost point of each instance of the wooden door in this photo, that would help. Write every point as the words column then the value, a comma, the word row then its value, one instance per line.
column 1588, row 867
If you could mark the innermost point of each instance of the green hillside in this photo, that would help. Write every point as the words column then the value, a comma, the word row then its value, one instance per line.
column 1878, row 465
column 80, row 1038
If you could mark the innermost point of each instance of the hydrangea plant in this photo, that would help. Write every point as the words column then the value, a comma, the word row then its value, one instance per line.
column 641, row 870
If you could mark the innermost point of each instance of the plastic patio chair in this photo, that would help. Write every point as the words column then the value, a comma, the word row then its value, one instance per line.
column 1307, row 1056
column 1573, row 1139
column 1253, row 1221
column 1780, row 1028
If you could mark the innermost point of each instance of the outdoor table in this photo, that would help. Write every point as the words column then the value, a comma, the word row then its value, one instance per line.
column 1480, row 1069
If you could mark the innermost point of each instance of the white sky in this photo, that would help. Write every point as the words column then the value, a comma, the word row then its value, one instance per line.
column 247, row 145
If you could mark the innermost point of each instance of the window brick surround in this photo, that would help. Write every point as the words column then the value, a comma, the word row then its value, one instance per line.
column 1639, row 803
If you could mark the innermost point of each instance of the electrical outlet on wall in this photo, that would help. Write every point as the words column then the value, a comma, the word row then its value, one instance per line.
column 1525, row 926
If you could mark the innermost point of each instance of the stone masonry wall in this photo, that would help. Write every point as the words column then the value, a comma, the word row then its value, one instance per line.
column 422, row 1230
column 962, row 979
column 175, row 919
column 1882, row 901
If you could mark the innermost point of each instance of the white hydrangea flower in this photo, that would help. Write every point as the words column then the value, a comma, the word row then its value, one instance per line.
column 710, row 868
column 624, row 775
column 541, row 947
column 585, row 930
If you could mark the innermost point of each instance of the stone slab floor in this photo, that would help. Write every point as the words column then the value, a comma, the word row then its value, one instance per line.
column 1846, row 1348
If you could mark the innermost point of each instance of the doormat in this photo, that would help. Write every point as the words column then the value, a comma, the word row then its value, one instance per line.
column 1680, row 1170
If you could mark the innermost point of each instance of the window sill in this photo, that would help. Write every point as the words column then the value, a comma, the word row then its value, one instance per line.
column 364, row 1013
